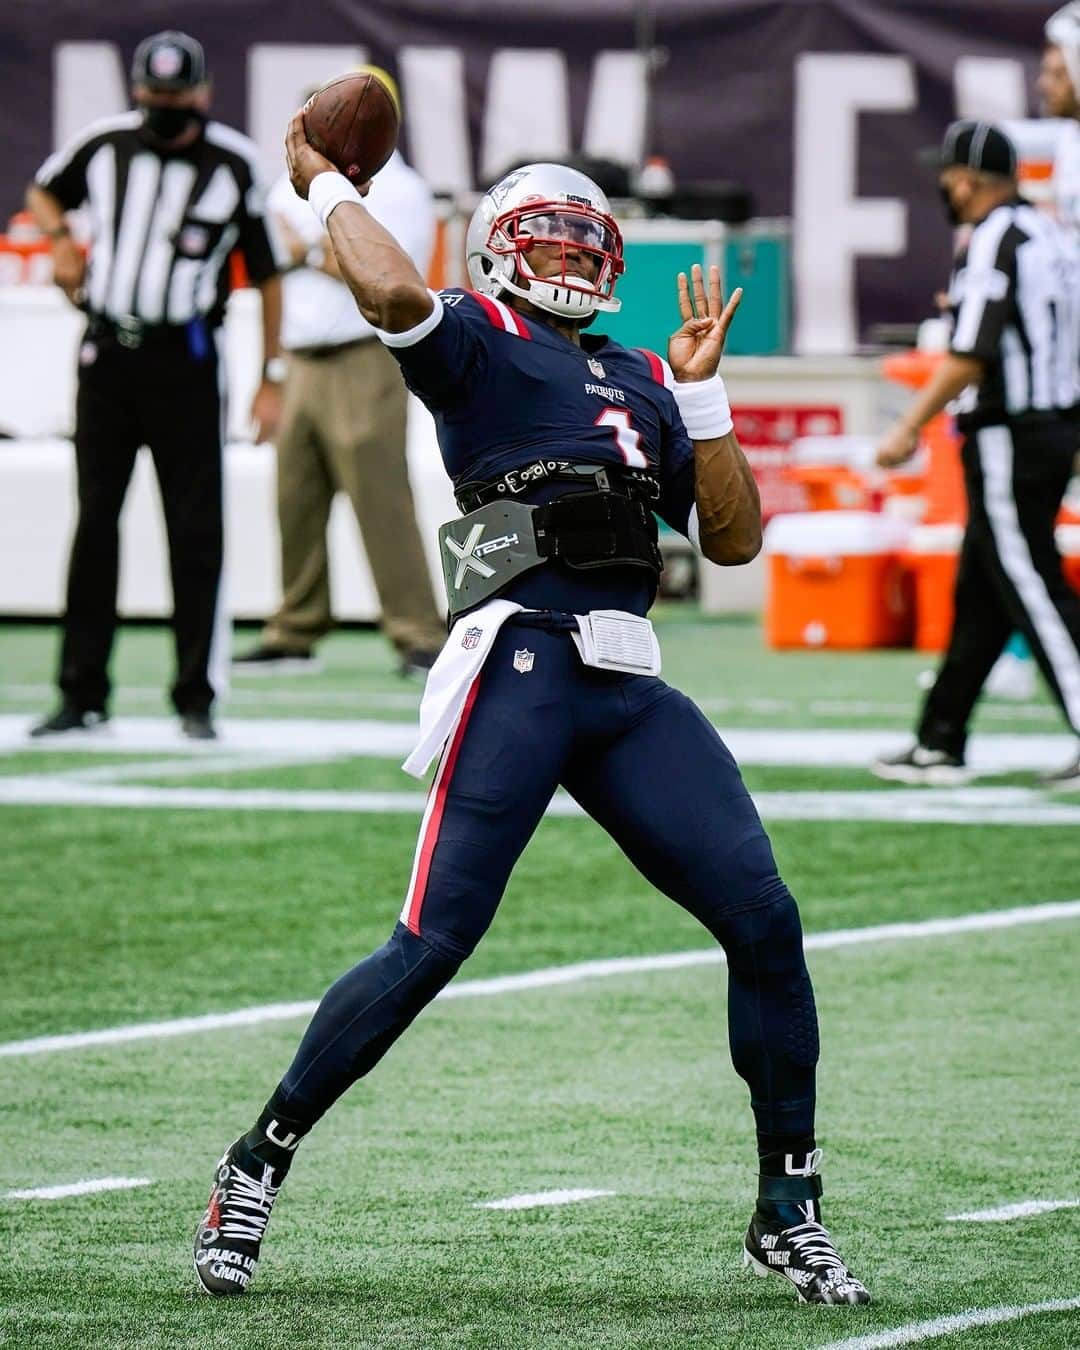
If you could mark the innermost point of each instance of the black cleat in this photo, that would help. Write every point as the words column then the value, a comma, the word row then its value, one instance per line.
column 231, row 1231
column 70, row 718
column 268, row 659
column 804, row 1255
column 197, row 727
column 1067, row 778
column 934, row 768
column 416, row 664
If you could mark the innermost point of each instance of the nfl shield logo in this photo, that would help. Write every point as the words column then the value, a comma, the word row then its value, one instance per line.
column 166, row 62
column 193, row 241
column 471, row 638
column 596, row 368
column 523, row 661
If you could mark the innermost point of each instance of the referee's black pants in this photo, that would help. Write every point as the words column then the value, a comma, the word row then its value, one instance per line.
column 165, row 396
column 1009, row 577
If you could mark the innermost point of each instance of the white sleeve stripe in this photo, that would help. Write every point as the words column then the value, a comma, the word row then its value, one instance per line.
column 980, row 284
column 61, row 158
column 412, row 336
column 669, row 374
column 693, row 528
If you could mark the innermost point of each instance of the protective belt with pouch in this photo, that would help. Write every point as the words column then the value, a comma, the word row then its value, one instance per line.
column 487, row 549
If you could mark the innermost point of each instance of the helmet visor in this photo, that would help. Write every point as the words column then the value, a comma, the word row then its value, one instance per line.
column 570, row 227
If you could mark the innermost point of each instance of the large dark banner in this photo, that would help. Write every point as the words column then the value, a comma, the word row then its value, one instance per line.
column 818, row 106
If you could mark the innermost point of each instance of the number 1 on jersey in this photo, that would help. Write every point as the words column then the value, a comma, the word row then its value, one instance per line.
column 626, row 438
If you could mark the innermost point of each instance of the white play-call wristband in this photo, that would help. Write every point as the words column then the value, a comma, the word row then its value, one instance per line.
column 704, row 407
column 328, row 190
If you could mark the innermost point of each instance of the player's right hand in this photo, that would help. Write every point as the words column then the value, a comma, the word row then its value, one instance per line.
column 69, row 267
column 305, row 162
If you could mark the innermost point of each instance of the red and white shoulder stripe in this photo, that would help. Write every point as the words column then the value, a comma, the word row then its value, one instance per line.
column 501, row 315
column 659, row 368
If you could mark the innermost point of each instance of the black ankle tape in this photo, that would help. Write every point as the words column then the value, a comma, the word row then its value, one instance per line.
column 789, row 1188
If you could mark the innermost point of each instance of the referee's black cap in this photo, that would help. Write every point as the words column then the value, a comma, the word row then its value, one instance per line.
column 169, row 62
column 978, row 145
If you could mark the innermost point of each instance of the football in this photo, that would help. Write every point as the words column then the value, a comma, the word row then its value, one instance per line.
column 353, row 121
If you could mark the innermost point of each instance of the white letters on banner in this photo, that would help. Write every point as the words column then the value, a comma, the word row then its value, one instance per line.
column 833, row 226
column 526, row 111
column 990, row 88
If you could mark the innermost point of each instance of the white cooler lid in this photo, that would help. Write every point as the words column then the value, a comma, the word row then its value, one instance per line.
column 819, row 534
column 850, row 452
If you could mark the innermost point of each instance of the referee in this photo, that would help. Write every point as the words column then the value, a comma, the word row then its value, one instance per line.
column 170, row 195
column 1012, row 368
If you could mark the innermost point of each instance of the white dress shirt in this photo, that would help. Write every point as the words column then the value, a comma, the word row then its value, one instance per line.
column 1067, row 177
column 318, row 310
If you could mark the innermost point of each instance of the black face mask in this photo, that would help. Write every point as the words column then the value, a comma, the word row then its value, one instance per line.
column 167, row 124
column 951, row 213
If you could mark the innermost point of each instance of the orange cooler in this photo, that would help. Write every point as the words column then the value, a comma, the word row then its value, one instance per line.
column 838, row 579
column 933, row 553
column 1068, row 542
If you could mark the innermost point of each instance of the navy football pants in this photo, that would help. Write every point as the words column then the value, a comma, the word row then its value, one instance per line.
column 645, row 763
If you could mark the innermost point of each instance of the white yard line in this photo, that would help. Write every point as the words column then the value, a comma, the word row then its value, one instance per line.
column 836, row 748
column 915, row 1332
column 945, row 806
column 554, row 976
column 188, row 767
column 541, row 1198
column 261, row 696
column 1023, row 1209
column 78, row 1188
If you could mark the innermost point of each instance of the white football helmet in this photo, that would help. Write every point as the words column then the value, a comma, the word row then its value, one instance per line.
column 1063, row 30
column 546, row 204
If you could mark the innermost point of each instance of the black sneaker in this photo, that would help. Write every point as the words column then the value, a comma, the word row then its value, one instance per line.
column 197, row 727
column 231, row 1231
column 69, row 718
column 269, row 659
column 416, row 664
column 804, row 1255
column 935, row 768
column 1068, row 777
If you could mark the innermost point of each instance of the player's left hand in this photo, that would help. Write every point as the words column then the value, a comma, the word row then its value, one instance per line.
column 266, row 411
column 694, row 351
column 897, row 446
column 305, row 162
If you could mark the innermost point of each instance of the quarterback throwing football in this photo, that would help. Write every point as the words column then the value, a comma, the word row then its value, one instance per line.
column 561, row 445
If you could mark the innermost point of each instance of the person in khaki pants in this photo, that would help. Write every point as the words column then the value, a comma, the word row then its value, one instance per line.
column 343, row 430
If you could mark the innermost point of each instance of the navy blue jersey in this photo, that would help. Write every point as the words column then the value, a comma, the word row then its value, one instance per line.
column 506, row 390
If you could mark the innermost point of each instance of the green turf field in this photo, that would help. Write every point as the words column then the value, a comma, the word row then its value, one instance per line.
column 950, row 1077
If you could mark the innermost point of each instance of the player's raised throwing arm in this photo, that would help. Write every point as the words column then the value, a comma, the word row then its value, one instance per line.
column 728, row 506
column 389, row 291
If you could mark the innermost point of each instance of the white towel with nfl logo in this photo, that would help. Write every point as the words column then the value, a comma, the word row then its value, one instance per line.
column 450, row 678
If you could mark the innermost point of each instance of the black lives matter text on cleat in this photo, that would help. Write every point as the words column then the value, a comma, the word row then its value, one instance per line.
column 231, row 1231
column 804, row 1255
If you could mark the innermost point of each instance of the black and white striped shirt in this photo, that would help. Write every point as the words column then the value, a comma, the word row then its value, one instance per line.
column 1015, row 295
column 163, row 223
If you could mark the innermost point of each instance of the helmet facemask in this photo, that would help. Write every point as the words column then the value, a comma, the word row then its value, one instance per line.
column 571, row 229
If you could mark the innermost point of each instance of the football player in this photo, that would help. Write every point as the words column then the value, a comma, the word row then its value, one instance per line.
column 1059, row 85
column 560, row 444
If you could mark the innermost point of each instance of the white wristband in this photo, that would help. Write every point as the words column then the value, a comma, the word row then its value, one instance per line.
column 704, row 408
column 327, row 190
